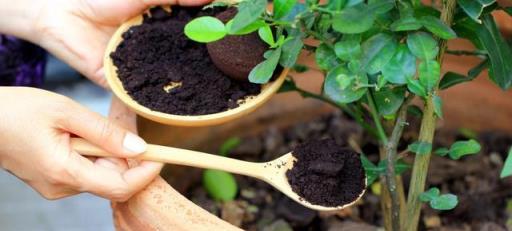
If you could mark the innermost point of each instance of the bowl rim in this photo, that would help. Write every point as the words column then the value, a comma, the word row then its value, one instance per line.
column 115, row 84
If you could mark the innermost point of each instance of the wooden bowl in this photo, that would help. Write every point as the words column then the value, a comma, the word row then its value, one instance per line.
column 249, row 104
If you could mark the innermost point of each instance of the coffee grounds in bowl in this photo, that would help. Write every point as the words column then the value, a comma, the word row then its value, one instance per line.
column 163, row 70
column 326, row 174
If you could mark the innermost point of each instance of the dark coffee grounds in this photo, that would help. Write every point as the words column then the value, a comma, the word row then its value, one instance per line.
column 237, row 55
column 163, row 70
column 326, row 174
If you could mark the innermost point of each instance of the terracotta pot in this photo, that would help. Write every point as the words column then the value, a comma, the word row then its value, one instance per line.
column 478, row 105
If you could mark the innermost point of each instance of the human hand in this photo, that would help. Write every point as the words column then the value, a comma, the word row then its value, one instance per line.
column 77, row 31
column 35, row 146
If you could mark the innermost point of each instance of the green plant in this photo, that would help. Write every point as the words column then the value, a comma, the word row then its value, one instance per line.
column 377, row 56
column 221, row 185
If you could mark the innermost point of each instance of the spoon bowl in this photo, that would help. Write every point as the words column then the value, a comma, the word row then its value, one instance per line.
column 272, row 172
column 245, row 107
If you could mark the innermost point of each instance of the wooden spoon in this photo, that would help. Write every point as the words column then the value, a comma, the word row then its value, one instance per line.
column 272, row 172
column 247, row 106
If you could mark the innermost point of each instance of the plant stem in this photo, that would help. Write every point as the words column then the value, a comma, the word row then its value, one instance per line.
column 376, row 118
column 428, row 123
column 470, row 53
column 391, row 153
column 354, row 115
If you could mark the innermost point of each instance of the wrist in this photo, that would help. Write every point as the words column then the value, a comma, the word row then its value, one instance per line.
column 20, row 17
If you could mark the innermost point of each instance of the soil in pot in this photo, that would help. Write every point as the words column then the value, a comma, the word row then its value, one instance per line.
column 163, row 70
column 326, row 174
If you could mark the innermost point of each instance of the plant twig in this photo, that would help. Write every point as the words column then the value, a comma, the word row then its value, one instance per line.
column 391, row 153
column 427, row 129
column 375, row 115
column 469, row 53
column 354, row 115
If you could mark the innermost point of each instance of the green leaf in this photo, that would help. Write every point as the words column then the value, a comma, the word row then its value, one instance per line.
column 499, row 52
column 372, row 171
column 508, row 10
column 381, row 6
column 266, row 35
column 444, row 202
column 438, row 106
column 406, row 24
column 381, row 82
column 353, row 2
column 288, row 85
column 377, row 52
column 283, row 7
column 342, row 86
column 416, row 87
column 429, row 74
column 220, row 185
column 325, row 57
column 401, row 67
column 353, row 20
column 437, row 27
column 248, row 12
column 299, row 68
column 442, row 151
column 205, row 29
column 420, row 148
column 474, row 8
column 487, row 37
column 248, row 29
column 336, row 5
column 507, row 167
column 263, row 72
column 229, row 145
column 297, row 9
column 291, row 50
column 389, row 100
column 415, row 111
column 422, row 45
column 216, row 4
column 462, row 148
column 400, row 167
column 430, row 194
column 451, row 78
column 348, row 48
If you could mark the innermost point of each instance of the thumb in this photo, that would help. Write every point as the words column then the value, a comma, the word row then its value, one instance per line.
column 102, row 132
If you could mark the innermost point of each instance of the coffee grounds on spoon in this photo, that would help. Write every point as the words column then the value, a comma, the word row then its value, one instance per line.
column 165, row 71
column 326, row 174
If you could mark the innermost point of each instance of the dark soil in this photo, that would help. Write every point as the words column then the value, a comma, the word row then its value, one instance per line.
column 237, row 55
column 165, row 71
column 485, row 201
column 326, row 174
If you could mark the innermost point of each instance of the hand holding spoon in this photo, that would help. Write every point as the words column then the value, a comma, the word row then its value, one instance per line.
column 272, row 172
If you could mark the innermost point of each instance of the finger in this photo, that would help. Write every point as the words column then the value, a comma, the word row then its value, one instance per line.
column 116, row 164
column 109, row 183
column 122, row 115
column 100, row 79
column 102, row 132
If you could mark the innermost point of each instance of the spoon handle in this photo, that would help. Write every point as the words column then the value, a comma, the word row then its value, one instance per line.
column 179, row 156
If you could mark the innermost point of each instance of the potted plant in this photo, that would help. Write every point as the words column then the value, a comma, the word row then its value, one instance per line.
column 377, row 57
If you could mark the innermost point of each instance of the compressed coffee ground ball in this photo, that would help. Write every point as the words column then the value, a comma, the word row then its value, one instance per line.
column 326, row 174
column 236, row 55
column 165, row 71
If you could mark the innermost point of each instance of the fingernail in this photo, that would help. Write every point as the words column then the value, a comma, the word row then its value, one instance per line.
column 134, row 144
